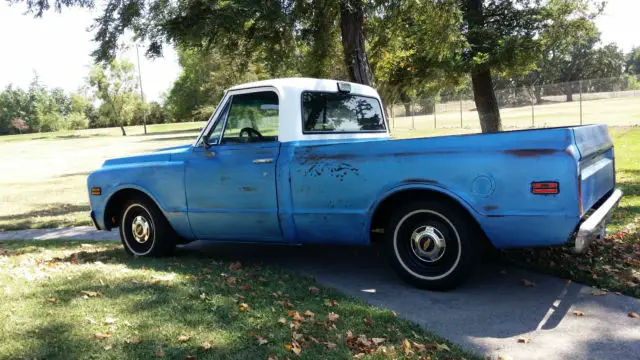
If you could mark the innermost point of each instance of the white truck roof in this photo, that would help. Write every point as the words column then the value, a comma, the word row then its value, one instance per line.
column 289, row 93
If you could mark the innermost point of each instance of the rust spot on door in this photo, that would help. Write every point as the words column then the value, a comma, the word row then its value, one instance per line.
column 248, row 188
column 490, row 207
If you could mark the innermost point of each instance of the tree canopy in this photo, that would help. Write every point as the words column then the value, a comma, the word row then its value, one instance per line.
column 406, row 49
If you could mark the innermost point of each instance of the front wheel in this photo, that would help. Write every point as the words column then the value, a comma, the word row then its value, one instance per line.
column 144, row 231
column 430, row 246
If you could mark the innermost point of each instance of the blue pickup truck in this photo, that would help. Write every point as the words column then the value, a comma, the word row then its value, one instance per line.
column 310, row 161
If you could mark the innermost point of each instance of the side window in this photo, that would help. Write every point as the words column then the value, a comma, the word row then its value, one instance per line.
column 253, row 117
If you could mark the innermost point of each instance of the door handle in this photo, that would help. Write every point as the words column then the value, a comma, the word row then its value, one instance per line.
column 262, row 161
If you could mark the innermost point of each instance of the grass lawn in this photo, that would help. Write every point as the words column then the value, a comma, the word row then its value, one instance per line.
column 73, row 300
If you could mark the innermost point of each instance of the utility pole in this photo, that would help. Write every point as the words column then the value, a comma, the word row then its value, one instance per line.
column 144, row 105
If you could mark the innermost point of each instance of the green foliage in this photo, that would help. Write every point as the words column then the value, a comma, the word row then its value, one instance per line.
column 115, row 86
column 415, row 49
column 204, row 77
column 77, row 121
column 632, row 63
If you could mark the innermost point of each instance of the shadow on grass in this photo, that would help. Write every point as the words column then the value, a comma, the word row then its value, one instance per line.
column 85, row 173
column 173, row 138
column 55, row 209
column 33, row 219
column 192, row 130
column 158, row 311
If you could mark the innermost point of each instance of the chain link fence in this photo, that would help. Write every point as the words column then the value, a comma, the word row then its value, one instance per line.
column 614, row 101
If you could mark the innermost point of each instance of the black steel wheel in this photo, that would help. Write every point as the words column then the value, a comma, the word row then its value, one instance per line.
column 144, row 231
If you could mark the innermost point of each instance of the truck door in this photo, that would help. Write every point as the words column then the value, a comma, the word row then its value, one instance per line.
column 231, row 186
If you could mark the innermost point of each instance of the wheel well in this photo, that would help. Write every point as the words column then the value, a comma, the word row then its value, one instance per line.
column 115, row 204
column 385, row 209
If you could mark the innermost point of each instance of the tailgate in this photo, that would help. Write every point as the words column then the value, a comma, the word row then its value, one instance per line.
column 596, row 164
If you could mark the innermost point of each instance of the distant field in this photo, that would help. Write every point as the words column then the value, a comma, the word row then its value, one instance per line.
column 614, row 112
column 43, row 176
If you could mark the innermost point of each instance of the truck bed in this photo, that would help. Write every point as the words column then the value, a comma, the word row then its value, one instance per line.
column 334, row 186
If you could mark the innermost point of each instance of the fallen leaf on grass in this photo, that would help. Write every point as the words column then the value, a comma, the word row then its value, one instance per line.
column 522, row 340
column 203, row 296
column 107, row 347
column 378, row 341
column 313, row 290
column 235, row 266
column 282, row 320
column 285, row 304
column 333, row 316
column 633, row 315
column 261, row 340
column 309, row 313
column 528, row 283
column 295, row 347
column 406, row 347
column 52, row 300
column 330, row 303
column 101, row 336
column 244, row 287
column 91, row 293
column 330, row 345
column 599, row 293
column 578, row 313
column 367, row 320
column 244, row 307
column 442, row 347
column 160, row 353
column 133, row 341
column 184, row 338
column 272, row 357
column 190, row 357
column 297, row 316
column 110, row 321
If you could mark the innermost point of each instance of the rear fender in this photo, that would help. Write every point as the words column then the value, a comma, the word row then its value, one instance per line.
column 390, row 191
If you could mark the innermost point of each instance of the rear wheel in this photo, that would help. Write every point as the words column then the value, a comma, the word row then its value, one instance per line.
column 430, row 246
column 144, row 231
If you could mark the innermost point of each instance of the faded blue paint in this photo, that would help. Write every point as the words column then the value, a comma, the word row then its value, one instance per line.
column 328, row 191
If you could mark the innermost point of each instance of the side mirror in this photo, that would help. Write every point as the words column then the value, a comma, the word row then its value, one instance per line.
column 205, row 146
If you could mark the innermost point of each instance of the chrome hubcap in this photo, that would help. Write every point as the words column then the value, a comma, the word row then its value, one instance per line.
column 141, row 229
column 428, row 243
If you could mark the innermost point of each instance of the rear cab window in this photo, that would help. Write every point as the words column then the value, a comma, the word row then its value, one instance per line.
column 330, row 112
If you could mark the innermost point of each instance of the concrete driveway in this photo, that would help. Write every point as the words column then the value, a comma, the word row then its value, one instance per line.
column 487, row 315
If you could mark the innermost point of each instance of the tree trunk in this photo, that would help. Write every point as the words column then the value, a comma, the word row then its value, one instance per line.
column 537, row 91
column 483, row 93
column 355, row 56
column 124, row 133
column 485, row 100
column 407, row 109
column 568, row 90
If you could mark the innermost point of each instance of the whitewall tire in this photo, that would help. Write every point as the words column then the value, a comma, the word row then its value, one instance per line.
column 144, row 231
column 429, row 244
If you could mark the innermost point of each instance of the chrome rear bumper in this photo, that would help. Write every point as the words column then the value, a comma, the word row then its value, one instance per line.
column 595, row 226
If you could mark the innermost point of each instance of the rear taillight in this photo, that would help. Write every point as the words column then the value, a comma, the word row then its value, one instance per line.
column 545, row 187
